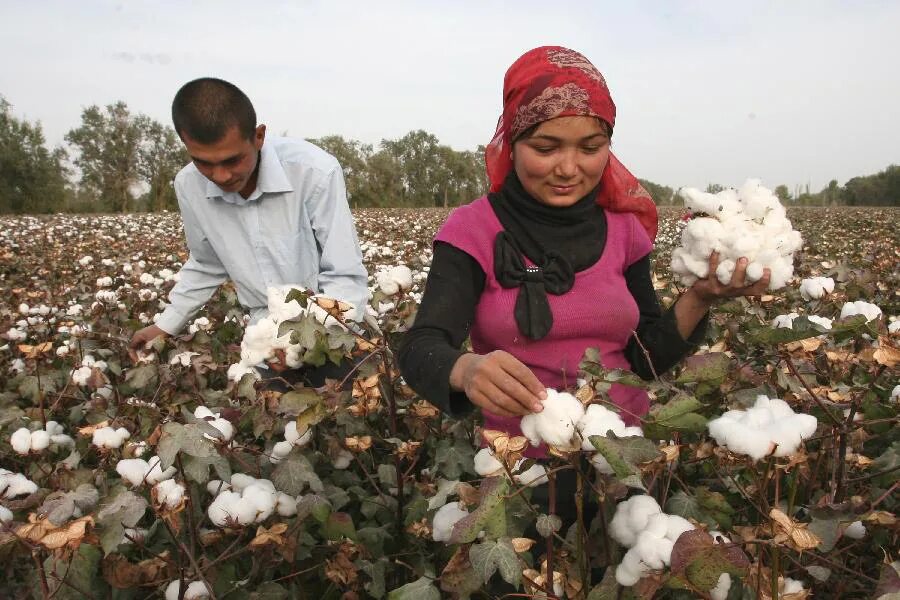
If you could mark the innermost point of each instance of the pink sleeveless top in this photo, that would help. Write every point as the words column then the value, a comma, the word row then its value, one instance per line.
column 598, row 312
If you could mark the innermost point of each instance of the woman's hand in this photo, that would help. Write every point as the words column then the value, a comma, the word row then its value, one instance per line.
column 711, row 289
column 499, row 383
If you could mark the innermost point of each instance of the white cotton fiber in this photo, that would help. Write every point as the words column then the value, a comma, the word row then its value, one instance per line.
column 746, row 223
column 555, row 424
column 194, row 591
column 444, row 519
column 394, row 279
column 814, row 288
column 756, row 431
column 599, row 420
column 867, row 309
column 486, row 464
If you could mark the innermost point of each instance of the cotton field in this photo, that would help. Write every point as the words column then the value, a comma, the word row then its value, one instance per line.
column 767, row 467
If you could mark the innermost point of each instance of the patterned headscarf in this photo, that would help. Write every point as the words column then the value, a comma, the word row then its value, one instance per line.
column 550, row 82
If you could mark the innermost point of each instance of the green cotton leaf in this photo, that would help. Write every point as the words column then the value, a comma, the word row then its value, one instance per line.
column 315, row 505
column 622, row 454
column 711, row 367
column 387, row 476
column 713, row 509
column 547, row 525
column 71, row 575
column 888, row 587
column 188, row 438
column 884, row 464
column 374, row 539
column 375, row 587
column 124, row 511
column 294, row 402
column 676, row 415
column 490, row 556
column 269, row 591
column 139, row 378
column 444, row 489
column 294, row 473
column 422, row 588
column 697, row 558
column 490, row 515
column 197, row 469
column 339, row 525
column 454, row 457
column 60, row 506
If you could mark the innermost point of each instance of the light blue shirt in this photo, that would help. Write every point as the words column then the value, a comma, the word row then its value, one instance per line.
column 295, row 228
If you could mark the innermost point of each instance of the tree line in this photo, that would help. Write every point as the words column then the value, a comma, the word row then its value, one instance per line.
column 120, row 161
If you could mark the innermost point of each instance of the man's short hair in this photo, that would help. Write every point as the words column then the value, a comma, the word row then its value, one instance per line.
column 206, row 108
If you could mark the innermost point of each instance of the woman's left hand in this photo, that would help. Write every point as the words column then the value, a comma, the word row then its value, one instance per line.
column 710, row 289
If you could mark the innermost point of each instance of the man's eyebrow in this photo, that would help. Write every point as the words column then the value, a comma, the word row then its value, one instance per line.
column 224, row 160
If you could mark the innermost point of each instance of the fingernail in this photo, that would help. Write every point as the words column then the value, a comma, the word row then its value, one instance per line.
column 542, row 394
column 536, row 407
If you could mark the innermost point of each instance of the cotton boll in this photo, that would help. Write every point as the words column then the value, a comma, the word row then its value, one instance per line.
column 657, row 525
column 444, row 519
column 194, row 590
column 631, row 518
column 601, row 464
column 40, row 440
column 792, row 586
column 823, row 322
column 54, row 428
column 279, row 451
column 262, row 498
column 169, row 493
column 132, row 470
column 5, row 514
column 599, row 420
column 555, row 424
column 155, row 473
column 285, row 505
column 342, row 460
column 225, row 428
column 215, row 486
column 21, row 440
column 720, row 592
column 855, row 531
column 239, row 481
column 631, row 569
column 108, row 438
column 867, row 309
column 15, row 484
column 675, row 526
column 486, row 464
column 536, row 475
column 224, row 508
column 757, row 430
column 295, row 438
column 816, row 287
column 784, row 321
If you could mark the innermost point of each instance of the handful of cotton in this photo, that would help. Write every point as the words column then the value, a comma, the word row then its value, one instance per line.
column 555, row 425
column 769, row 427
column 650, row 534
column 748, row 223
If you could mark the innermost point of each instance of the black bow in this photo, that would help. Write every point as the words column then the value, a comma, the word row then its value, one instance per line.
column 555, row 275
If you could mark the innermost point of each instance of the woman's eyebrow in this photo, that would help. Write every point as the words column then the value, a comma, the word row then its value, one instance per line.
column 551, row 138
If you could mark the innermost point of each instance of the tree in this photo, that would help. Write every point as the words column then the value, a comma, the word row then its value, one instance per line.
column 783, row 193
column 160, row 156
column 715, row 188
column 32, row 178
column 108, row 149
column 661, row 194
column 419, row 157
column 353, row 157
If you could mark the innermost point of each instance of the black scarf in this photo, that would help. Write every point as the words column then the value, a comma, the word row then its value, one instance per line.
column 552, row 238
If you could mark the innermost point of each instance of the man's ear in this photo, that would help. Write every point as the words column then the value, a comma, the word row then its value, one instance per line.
column 259, row 136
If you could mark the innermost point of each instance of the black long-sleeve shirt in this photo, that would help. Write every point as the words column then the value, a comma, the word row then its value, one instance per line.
column 455, row 283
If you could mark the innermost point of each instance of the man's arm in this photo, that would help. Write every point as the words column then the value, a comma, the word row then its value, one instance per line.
column 341, row 271
column 199, row 277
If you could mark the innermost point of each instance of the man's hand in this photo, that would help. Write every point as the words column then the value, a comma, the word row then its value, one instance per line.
column 499, row 383
column 143, row 336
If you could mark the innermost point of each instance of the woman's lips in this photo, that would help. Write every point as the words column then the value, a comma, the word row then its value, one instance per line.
column 562, row 189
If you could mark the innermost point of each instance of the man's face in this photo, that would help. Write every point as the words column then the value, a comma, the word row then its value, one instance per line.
column 230, row 163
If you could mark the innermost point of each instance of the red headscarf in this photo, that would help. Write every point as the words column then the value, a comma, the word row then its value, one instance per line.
column 550, row 82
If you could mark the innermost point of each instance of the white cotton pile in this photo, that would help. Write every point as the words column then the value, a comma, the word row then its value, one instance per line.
column 746, row 223
column 169, row 493
column 444, row 519
column 870, row 311
column 855, row 530
column 720, row 591
column 81, row 375
column 15, row 484
column 640, row 525
column 756, row 431
column 816, row 287
column 193, row 591
column 895, row 393
column 5, row 514
column 53, row 435
column 894, row 325
column 108, row 438
column 487, row 465
column 224, row 426
column 136, row 471
column 792, row 586
column 394, row 279
column 291, row 438
column 555, row 425
column 248, row 500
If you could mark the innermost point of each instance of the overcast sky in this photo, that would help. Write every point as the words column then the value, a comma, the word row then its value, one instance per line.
column 790, row 92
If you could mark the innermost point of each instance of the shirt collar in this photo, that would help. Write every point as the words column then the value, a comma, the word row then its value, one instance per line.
column 271, row 180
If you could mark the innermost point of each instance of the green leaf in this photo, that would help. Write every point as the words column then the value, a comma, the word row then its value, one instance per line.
column 81, row 572
column 375, row 587
column 269, row 591
column 696, row 557
column 490, row 514
column 444, row 489
column 547, row 525
column 338, row 526
column 422, row 588
column 888, row 587
column 487, row 557
column 387, row 476
column 608, row 588
column 711, row 367
column 454, row 457
column 623, row 454
column 197, row 469
column 315, row 505
column 676, row 415
column 706, row 507
column 139, row 378
column 884, row 463
column 124, row 511
column 294, row 473
column 189, row 439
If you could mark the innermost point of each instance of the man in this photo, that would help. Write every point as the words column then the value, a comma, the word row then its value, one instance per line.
column 258, row 210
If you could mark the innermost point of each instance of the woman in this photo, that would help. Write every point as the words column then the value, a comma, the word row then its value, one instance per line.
column 553, row 261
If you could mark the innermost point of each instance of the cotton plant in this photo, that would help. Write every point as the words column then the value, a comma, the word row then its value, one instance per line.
column 770, row 427
column 24, row 441
column 813, row 288
column 749, row 222
column 247, row 500
column 640, row 525
column 555, row 425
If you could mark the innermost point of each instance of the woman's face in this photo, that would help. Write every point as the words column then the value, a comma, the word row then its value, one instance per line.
column 562, row 160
